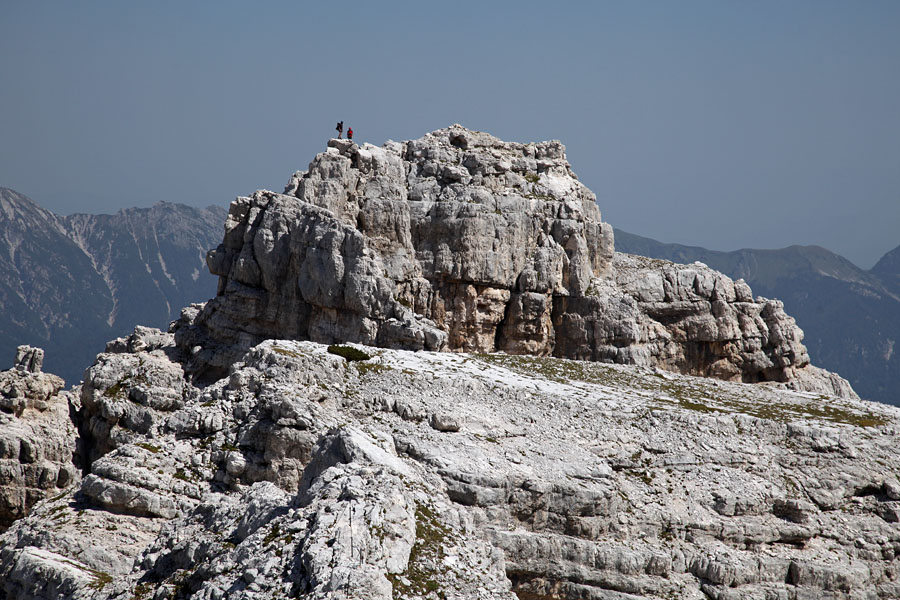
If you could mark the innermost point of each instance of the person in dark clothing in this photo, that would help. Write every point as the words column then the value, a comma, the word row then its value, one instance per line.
column 340, row 128
column 350, row 133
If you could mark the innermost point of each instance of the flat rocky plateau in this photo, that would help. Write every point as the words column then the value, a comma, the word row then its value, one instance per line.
column 454, row 475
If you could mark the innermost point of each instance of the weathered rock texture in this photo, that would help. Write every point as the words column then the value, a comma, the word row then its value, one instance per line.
column 455, row 475
column 315, row 472
column 460, row 241
column 37, row 437
column 29, row 359
column 850, row 316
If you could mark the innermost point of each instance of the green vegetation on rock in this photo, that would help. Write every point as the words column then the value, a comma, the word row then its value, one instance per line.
column 348, row 353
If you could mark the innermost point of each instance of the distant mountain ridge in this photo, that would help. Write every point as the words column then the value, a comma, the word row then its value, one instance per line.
column 70, row 283
column 851, row 317
column 888, row 269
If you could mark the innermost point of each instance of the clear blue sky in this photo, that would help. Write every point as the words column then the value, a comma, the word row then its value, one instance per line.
column 715, row 123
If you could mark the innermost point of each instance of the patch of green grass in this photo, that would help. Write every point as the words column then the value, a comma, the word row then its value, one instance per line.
column 101, row 579
column 272, row 535
column 790, row 485
column 426, row 554
column 142, row 591
column 286, row 352
column 698, row 396
column 348, row 353
column 149, row 447
column 782, row 412
column 180, row 474
column 531, row 177
column 116, row 390
column 119, row 390
column 365, row 368
column 562, row 370
column 698, row 406
column 825, row 412
column 59, row 497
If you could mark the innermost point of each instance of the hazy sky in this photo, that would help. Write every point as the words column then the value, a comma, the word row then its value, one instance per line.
column 722, row 124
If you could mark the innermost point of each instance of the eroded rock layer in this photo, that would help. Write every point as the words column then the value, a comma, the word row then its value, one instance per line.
column 453, row 475
column 460, row 241
column 37, row 436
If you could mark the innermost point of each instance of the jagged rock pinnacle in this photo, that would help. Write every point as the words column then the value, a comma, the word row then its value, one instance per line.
column 460, row 241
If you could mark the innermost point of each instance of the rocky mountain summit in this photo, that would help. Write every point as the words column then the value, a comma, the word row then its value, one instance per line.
column 229, row 458
column 460, row 241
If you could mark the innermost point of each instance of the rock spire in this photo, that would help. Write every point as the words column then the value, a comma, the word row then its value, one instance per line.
column 460, row 241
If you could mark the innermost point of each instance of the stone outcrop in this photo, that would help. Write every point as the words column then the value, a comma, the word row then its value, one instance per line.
column 460, row 241
column 850, row 316
column 29, row 359
column 221, row 460
column 687, row 318
column 37, row 437
column 456, row 475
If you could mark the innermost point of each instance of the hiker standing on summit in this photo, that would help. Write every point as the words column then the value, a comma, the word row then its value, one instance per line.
column 349, row 133
column 340, row 128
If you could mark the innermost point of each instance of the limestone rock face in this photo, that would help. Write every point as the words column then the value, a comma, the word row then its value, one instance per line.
column 227, row 459
column 434, row 474
column 686, row 318
column 29, row 359
column 445, row 242
column 130, row 390
column 37, row 436
column 460, row 241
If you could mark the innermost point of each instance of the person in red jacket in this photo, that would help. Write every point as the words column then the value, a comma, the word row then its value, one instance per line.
column 349, row 133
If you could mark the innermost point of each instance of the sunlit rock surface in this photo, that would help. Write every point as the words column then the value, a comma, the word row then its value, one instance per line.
column 460, row 241
column 434, row 474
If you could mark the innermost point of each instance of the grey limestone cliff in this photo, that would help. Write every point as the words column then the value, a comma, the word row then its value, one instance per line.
column 850, row 317
column 460, row 241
